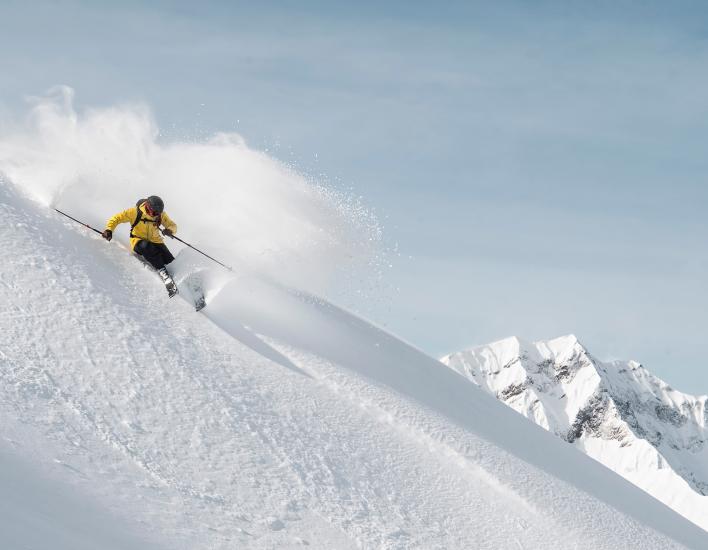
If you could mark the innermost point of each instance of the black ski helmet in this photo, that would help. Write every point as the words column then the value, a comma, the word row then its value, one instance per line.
column 156, row 204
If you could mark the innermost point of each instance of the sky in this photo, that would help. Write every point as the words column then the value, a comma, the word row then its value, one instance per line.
column 539, row 168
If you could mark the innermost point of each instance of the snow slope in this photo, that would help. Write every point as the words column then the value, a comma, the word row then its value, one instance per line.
column 40, row 512
column 292, row 423
column 274, row 419
column 616, row 412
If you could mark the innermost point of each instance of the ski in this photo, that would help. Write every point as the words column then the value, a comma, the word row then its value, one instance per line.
column 171, row 288
column 193, row 282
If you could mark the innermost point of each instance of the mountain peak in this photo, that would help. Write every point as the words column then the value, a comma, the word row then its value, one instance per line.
column 616, row 412
column 511, row 347
column 565, row 342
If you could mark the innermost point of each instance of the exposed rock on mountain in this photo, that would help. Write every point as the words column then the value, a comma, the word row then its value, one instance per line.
column 616, row 412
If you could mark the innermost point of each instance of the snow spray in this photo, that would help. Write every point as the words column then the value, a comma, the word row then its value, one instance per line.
column 244, row 205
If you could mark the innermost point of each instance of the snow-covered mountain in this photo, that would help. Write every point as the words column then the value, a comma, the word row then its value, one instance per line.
column 271, row 419
column 616, row 412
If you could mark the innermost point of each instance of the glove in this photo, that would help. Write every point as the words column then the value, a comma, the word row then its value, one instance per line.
column 167, row 232
column 107, row 234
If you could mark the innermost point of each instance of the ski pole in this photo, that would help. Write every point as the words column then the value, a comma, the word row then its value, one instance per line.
column 202, row 253
column 79, row 222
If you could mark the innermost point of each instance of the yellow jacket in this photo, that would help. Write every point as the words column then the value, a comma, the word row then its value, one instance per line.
column 148, row 227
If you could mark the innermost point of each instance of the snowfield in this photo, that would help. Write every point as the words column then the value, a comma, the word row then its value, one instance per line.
column 272, row 419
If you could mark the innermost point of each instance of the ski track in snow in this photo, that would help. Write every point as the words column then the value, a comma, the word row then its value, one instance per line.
column 221, row 442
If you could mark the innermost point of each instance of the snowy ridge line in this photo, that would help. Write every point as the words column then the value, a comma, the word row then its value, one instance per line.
column 470, row 454
column 403, row 416
column 376, row 368
column 251, row 417
column 405, row 427
column 616, row 412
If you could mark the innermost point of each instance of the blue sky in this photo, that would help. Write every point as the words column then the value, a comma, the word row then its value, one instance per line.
column 541, row 166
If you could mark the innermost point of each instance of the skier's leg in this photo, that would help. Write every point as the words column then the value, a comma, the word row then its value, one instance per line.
column 167, row 256
column 151, row 252
column 154, row 255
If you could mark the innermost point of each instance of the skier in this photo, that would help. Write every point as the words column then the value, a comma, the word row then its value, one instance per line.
column 145, row 218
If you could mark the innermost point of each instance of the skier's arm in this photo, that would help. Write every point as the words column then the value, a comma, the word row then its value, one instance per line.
column 127, row 216
column 169, row 225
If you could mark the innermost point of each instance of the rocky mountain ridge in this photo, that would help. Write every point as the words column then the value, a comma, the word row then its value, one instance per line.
column 616, row 412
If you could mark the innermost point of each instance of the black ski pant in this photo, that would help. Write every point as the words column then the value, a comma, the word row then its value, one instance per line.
column 157, row 254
